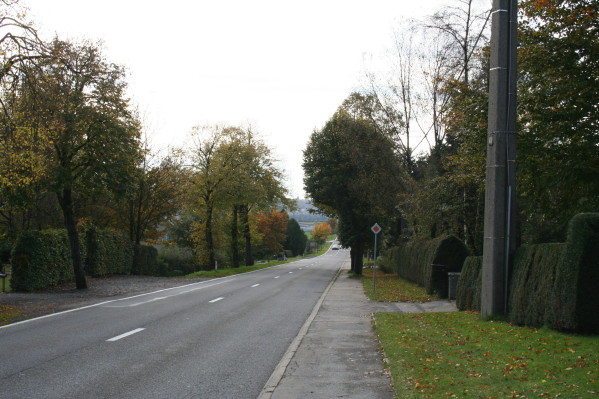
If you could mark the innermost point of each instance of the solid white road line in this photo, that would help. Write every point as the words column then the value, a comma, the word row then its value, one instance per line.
column 217, row 299
column 125, row 335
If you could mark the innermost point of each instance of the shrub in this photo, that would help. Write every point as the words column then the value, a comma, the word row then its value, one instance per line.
column 41, row 259
column 178, row 260
column 108, row 252
column 385, row 263
column 573, row 305
column 469, row 284
column 414, row 261
column 145, row 261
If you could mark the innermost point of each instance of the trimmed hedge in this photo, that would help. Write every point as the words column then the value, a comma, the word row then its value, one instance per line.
column 553, row 284
column 413, row 261
column 575, row 299
column 531, row 283
column 469, row 284
column 41, row 259
column 108, row 252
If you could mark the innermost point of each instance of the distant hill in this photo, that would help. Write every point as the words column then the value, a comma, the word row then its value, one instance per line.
column 302, row 214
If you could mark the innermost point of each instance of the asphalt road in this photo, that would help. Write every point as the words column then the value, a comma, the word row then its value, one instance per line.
column 214, row 339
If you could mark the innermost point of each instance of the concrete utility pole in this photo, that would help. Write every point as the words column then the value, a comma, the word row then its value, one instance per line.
column 500, row 205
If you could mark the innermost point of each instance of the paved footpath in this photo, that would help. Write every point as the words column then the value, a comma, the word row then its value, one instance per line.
column 336, row 355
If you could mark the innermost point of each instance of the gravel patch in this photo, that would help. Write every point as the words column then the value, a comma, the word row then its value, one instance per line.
column 66, row 296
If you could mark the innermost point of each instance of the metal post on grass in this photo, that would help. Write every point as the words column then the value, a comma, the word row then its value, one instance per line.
column 376, row 229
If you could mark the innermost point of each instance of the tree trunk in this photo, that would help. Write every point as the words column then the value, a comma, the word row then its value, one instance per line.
column 138, row 221
column 209, row 238
column 131, row 220
column 234, row 238
column 245, row 219
column 357, row 257
column 66, row 203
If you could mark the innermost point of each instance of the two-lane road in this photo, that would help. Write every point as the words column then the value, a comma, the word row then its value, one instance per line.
column 220, row 338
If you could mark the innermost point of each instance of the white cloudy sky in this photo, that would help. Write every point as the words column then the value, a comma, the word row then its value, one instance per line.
column 282, row 66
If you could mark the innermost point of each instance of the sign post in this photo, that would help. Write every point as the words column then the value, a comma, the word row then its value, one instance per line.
column 376, row 229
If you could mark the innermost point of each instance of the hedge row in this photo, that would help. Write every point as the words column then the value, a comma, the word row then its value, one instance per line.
column 532, row 282
column 414, row 261
column 469, row 284
column 108, row 252
column 42, row 259
column 551, row 284
column 575, row 299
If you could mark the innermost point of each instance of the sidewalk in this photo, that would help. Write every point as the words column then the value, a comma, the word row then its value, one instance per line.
column 338, row 356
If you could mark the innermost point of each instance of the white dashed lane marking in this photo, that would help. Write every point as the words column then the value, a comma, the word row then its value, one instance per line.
column 125, row 335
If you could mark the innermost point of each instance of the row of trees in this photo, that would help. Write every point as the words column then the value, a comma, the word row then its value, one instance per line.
column 71, row 149
column 364, row 166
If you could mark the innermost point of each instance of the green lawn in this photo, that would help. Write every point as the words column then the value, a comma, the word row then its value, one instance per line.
column 456, row 355
column 390, row 288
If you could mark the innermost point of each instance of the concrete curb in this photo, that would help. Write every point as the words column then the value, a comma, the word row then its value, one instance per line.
column 280, row 369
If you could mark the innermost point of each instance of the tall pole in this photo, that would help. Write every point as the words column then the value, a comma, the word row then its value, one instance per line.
column 500, row 205
column 374, row 267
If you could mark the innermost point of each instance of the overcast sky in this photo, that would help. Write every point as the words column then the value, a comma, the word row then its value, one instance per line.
column 284, row 67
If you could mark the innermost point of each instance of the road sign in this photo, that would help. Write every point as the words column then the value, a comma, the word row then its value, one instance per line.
column 376, row 228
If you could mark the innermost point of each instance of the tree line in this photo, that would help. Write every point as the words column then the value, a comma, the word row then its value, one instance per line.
column 72, row 153
column 367, row 164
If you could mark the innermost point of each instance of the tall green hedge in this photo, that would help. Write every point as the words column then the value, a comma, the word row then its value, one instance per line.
column 41, row 259
column 553, row 284
column 413, row 261
column 531, row 283
column 469, row 284
column 575, row 299
column 108, row 252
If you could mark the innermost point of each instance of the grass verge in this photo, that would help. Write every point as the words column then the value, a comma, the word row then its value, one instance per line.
column 8, row 314
column 390, row 288
column 439, row 355
column 238, row 270
column 6, row 280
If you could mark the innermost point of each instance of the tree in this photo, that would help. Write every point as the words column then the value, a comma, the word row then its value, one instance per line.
column 352, row 173
column 256, row 187
column 156, row 196
column 234, row 173
column 272, row 227
column 73, row 102
column 321, row 232
column 296, row 238
column 216, row 162
column 20, row 46
column 558, row 96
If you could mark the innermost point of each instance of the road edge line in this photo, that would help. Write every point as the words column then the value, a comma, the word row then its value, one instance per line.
column 279, row 371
